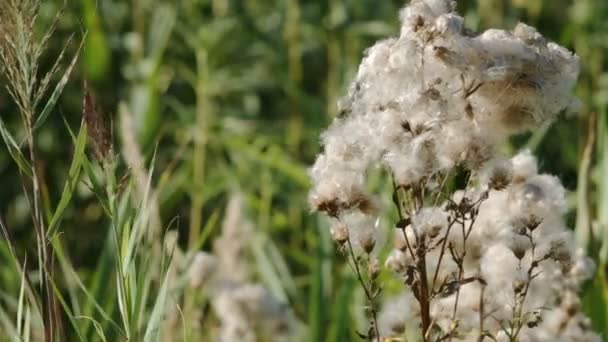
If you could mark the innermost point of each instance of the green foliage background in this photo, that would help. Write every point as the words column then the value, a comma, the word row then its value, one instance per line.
column 234, row 94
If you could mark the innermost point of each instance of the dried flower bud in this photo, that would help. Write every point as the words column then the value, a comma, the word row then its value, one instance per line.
column 398, row 327
column 559, row 251
column 396, row 261
column 532, row 192
column 519, row 253
column 498, row 173
column 339, row 232
column 533, row 222
column 368, row 243
column 373, row 267
column 434, row 230
column 330, row 207
column 571, row 306
column 518, row 286
column 534, row 320
column 399, row 241
column 519, row 246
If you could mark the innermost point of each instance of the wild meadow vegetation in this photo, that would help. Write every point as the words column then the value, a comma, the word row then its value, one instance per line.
column 154, row 167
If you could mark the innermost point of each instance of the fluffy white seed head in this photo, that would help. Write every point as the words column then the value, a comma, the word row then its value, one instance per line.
column 440, row 96
column 436, row 96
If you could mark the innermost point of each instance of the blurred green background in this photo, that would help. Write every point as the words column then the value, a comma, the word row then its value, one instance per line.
column 233, row 94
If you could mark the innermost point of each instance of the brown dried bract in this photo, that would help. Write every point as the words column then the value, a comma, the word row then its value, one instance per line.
column 98, row 127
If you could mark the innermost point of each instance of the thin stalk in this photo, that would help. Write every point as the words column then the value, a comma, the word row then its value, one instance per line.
column 366, row 290
column 291, row 32
column 203, row 118
column 423, row 293
column 203, row 113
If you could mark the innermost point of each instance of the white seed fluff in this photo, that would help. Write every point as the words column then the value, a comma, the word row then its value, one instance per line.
column 437, row 97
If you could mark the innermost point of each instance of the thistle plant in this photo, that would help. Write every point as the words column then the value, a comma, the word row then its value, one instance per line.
column 487, row 258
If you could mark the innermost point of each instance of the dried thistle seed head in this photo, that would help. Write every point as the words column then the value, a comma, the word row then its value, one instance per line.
column 396, row 261
column 500, row 178
column 571, row 304
column 330, row 207
column 334, row 200
column 399, row 241
column 519, row 245
column 534, row 319
column 494, row 84
column 398, row 328
column 498, row 174
column 373, row 267
column 533, row 222
column 367, row 242
column 559, row 251
column 518, row 286
column 524, row 166
column 434, row 230
column 339, row 232
column 517, row 116
column 532, row 192
column 519, row 226
column 367, row 205
column 430, row 221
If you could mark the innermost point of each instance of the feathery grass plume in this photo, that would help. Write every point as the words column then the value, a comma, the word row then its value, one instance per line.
column 493, row 260
column 21, row 48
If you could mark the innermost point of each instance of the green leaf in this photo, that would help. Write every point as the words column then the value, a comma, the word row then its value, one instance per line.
column 154, row 323
column 208, row 229
column 98, row 327
column 602, row 186
column 72, row 181
column 14, row 151
column 8, row 328
column 340, row 315
column 67, row 310
column 321, row 284
column 595, row 302
column 97, row 56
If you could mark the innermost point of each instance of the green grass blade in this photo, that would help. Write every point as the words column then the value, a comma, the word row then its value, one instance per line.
column 321, row 283
column 14, row 151
column 21, row 300
column 595, row 301
column 72, row 181
column 153, row 328
column 602, row 200
column 583, row 217
column 7, row 326
column 208, row 229
column 98, row 327
column 341, row 327
column 67, row 310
